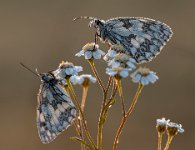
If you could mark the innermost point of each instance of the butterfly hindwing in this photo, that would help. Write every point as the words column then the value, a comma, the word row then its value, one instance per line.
column 143, row 38
column 55, row 111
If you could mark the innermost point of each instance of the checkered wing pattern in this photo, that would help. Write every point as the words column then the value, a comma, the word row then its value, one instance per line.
column 55, row 111
column 143, row 38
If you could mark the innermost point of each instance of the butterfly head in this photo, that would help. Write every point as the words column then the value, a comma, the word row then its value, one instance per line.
column 46, row 77
column 97, row 23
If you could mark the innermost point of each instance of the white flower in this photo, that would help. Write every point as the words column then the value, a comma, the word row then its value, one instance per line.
column 67, row 69
column 118, row 72
column 83, row 79
column 91, row 51
column 113, row 51
column 122, row 60
column 161, row 125
column 110, row 55
column 162, row 122
column 173, row 128
column 144, row 76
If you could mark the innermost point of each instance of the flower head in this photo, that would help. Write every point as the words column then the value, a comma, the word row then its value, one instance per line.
column 83, row 79
column 144, row 76
column 66, row 70
column 174, row 128
column 161, row 125
column 118, row 72
column 91, row 51
column 122, row 60
column 113, row 51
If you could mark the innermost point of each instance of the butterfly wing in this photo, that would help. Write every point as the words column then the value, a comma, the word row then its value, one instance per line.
column 55, row 111
column 143, row 38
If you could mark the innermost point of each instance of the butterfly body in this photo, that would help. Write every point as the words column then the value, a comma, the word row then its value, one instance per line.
column 55, row 110
column 142, row 38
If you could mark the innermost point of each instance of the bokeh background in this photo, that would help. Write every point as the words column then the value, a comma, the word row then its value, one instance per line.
column 42, row 34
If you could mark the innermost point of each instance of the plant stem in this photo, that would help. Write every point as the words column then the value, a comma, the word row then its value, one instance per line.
column 168, row 142
column 107, row 88
column 124, row 119
column 85, row 91
column 121, row 95
column 91, row 62
column 84, row 97
column 103, row 114
column 160, row 134
column 82, row 115
column 76, row 121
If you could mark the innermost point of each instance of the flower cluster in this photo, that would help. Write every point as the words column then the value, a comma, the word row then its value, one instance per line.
column 171, row 127
column 113, row 51
column 83, row 79
column 91, row 51
column 119, row 64
column 66, row 70
column 144, row 76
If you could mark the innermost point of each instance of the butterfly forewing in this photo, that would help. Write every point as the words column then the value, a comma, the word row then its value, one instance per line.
column 143, row 38
column 55, row 111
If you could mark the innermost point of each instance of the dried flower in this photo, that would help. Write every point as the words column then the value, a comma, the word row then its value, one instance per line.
column 161, row 125
column 83, row 79
column 66, row 70
column 174, row 128
column 91, row 51
column 144, row 76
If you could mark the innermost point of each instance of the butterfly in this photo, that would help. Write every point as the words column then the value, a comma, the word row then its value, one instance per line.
column 141, row 38
column 55, row 109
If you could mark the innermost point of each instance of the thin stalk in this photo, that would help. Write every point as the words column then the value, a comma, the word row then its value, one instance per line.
column 170, row 138
column 103, row 113
column 84, row 96
column 76, row 128
column 82, row 115
column 91, row 62
column 77, row 123
column 107, row 88
column 121, row 95
column 124, row 119
column 160, row 134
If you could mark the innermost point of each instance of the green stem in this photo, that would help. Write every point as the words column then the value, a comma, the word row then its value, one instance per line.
column 124, row 119
column 82, row 115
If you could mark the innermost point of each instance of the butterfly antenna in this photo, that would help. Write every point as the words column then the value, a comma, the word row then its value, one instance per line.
column 83, row 17
column 35, row 73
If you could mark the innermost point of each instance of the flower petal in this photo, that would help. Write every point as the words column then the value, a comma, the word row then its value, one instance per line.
column 80, row 53
column 88, row 55
column 96, row 55
column 124, row 73
column 144, row 81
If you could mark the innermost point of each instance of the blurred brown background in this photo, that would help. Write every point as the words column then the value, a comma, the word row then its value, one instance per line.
column 41, row 34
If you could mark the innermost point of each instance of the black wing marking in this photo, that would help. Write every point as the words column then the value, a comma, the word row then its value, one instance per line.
column 55, row 111
column 143, row 38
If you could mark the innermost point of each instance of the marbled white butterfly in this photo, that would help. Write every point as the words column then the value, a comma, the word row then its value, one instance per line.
column 55, row 110
column 142, row 38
